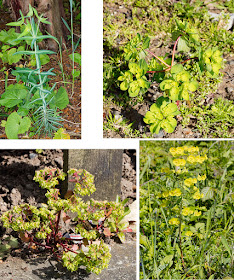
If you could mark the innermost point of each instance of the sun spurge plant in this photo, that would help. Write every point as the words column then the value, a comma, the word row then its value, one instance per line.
column 176, row 80
column 41, row 226
column 36, row 102
column 186, row 215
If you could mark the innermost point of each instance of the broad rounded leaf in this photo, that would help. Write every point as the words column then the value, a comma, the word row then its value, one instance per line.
column 16, row 125
column 177, row 69
column 170, row 110
column 174, row 93
column 61, row 98
column 169, row 124
column 124, row 85
column 134, row 89
column 208, row 193
column 61, row 134
column 193, row 86
column 155, row 128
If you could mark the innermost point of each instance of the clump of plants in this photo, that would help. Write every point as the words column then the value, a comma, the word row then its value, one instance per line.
column 32, row 104
column 178, row 77
column 41, row 226
column 186, row 212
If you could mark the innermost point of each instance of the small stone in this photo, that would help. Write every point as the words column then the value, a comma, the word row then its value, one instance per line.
column 229, row 89
column 32, row 155
column 59, row 162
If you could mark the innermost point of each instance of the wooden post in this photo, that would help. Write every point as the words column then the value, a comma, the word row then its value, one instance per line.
column 105, row 165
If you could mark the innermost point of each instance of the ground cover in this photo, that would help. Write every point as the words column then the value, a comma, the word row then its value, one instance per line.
column 187, row 28
column 186, row 210
column 24, row 112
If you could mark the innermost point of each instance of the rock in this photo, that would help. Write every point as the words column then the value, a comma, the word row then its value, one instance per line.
column 15, row 197
column 59, row 162
column 217, row 17
column 159, row 135
column 32, row 155
column 229, row 89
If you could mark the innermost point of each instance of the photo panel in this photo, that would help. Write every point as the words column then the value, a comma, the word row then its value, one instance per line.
column 186, row 209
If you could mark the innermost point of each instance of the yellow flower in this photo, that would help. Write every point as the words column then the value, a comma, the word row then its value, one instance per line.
column 188, row 233
column 195, row 188
column 201, row 178
column 198, row 195
column 178, row 171
column 164, row 203
column 175, row 192
column 174, row 221
column 179, row 162
column 165, row 194
column 200, row 159
column 193, row 150
column 191, row 159
column 197, row 213
column 187, row 211
column 177, row 151
column 165, row 170
column 190, row 182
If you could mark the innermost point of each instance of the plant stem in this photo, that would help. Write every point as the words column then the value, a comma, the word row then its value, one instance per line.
column 173, row 53
column 158, row 58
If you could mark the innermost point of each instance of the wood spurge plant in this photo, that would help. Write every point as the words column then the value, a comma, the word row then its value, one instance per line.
column 89, row 221
column 186, row 212
column 177, row 78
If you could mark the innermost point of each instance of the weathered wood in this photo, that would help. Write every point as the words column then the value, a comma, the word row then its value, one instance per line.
column 105, row 165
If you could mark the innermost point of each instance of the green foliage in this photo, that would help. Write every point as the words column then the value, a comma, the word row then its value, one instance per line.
column 93, row 219
column 15, row 125
column 161, row 115
column 135, row 80
column 6, row 245
column 179, row 84
column 35, row 99
column 162, row 22
column 186, row 209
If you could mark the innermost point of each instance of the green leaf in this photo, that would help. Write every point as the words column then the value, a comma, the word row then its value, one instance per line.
column 121, row 236
column 77, row 58
column 13, row 96
column 44, row 58
column 61, row 134
column 182, row 45
column 124, row 85
column 134, row 89
column 16, row 125
column 193, row 86
column 208, row 193
column 170, row 110
column 76, row 73
column 61, row 98
column 225, row 243
column 177, row 69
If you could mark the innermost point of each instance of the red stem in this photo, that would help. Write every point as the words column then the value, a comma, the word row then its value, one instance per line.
column 158, row 58
column 173, row 53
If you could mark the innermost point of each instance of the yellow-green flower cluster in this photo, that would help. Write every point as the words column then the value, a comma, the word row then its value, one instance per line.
column 175, row 192
column 190, row 182
column 179, row 162
column 196, row 159
column 174, row 221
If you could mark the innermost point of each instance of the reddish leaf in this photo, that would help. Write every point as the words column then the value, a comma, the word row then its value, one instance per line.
column 107, row 232
column 24, row 237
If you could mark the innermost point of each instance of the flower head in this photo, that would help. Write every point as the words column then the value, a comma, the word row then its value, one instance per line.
column 190, row 182
column 188, row 233
column 201, row 178
column 198, row 195
column 179, row 162
column 187, row 211
column 174, row 221
column 175, row 192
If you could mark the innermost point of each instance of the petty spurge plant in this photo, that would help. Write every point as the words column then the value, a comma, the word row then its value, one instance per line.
column 35, row 103
column 186, row 211
column 177, row 78
column 89, row 221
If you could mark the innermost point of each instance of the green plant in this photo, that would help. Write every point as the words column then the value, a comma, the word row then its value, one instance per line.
column 41, row 226
column 175, row 80
column 161, row 115
column 36, row 98
column 6, row 245
column 186, row 210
